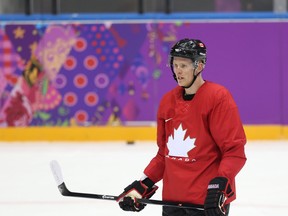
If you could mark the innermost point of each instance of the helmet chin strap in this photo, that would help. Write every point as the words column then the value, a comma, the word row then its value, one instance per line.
column 194, row 79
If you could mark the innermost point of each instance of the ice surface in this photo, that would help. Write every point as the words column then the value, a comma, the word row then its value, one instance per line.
column 28, row 188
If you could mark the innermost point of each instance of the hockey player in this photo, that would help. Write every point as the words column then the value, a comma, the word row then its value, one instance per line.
column 200, row 140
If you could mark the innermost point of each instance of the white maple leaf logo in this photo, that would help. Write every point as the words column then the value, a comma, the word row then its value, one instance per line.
column 178, row 146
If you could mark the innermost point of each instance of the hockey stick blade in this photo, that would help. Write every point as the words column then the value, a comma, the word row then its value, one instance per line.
column 57, row 173
column 56, row 170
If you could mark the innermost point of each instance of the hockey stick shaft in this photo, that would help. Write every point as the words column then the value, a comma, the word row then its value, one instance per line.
column 66, row 192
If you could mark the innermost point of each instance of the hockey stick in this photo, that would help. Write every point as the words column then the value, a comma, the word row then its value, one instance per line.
column 56, row 170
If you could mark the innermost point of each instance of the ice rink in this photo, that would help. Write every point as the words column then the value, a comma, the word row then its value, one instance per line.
column 28, row 188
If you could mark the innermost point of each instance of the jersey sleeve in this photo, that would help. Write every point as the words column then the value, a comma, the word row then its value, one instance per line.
column 227, row 131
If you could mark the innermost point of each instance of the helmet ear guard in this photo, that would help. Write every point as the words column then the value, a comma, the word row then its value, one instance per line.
column 196, row 63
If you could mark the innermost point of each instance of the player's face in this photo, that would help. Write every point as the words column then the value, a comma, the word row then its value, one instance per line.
column 183, row 68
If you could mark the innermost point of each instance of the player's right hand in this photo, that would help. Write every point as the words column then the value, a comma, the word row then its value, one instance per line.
column 137, row 190
column 218, row 191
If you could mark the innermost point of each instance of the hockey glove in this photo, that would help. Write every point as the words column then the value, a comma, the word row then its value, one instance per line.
column 137, row 190
column 218, row 191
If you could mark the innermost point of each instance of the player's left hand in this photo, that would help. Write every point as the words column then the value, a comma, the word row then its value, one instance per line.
column 218, row 191
column 137, row 190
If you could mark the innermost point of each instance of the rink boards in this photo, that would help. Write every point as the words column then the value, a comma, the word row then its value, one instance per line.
column 119, row 133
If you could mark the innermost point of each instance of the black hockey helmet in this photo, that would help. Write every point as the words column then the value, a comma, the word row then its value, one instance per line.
column 193, row 49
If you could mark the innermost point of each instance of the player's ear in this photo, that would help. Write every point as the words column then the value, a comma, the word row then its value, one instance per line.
column 200, row 65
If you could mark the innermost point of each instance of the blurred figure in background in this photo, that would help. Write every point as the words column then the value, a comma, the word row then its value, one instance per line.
column 227, row 5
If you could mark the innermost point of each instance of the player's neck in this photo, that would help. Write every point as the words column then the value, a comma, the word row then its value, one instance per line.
column 196, row 85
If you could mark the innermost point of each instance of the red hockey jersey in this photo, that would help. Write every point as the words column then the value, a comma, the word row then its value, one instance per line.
column 198, row 140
